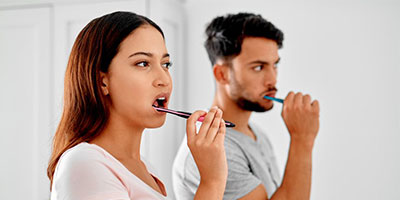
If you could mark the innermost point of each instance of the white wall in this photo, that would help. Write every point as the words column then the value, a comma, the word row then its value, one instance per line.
column 25, row 113
column 347, row 55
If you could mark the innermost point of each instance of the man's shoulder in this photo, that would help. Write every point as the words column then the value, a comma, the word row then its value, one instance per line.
column 183, row 159
column 233, row 137
column 185, row 175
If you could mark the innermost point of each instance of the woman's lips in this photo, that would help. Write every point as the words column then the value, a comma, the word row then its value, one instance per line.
column 158, row 112
column 161, row 100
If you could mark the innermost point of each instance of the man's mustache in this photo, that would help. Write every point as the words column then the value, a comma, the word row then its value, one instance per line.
column 271, row 89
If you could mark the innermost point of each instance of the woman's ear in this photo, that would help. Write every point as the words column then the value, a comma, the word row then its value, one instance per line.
column 104, row 83
column 221, row 73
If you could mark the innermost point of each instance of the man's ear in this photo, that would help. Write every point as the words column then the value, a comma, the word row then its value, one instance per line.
column 221, row 73
column 104, row 83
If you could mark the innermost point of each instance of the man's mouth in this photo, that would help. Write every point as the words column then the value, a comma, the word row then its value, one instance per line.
column 270, row 93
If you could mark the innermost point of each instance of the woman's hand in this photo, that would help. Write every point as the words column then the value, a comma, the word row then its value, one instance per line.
column 207, row 147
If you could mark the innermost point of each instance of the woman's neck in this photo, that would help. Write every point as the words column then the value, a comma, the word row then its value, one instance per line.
column 120, row 139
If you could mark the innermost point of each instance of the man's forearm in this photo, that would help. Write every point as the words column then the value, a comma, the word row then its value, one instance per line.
column 210, row 191
column 296, row 182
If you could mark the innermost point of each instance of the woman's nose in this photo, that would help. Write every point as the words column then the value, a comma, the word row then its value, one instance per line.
column 162, row 78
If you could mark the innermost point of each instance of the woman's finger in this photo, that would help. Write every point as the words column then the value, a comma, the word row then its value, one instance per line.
column 207, row 123
column 191, row 124
column 220, row 137
column 212, row 131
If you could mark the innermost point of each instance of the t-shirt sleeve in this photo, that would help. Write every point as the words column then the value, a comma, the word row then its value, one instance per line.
column 240, row 179
column 85, row 175
column 185, row 175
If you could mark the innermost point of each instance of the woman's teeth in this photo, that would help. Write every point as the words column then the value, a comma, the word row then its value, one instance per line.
column 159, row 102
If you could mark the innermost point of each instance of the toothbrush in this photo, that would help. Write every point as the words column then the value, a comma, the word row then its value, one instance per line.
column 273, row 99
column 187, row 115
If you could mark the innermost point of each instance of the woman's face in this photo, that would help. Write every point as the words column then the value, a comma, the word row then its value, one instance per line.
column 138, row 78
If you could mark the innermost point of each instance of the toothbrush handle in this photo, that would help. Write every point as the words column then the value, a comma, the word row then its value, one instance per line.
column 274, row 99
column 227, row 123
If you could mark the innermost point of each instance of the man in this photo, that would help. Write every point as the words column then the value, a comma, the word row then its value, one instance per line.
column 243, row 49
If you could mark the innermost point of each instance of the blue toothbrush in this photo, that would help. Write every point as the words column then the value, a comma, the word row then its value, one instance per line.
column 273, row 99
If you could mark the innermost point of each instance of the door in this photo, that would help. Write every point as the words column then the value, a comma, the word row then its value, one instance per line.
column 25, row 110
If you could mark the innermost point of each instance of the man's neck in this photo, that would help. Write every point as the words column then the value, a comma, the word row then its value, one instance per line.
column 234, row 114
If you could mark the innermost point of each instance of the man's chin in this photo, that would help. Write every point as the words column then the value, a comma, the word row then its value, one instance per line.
column 265, row 108
column 255, row 107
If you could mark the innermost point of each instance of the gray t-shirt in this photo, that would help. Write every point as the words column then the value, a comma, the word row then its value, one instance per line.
column 250, row 163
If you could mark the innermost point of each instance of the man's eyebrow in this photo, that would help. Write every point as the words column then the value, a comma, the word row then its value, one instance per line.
column 279, row 59
column 258, row 62
column 263, row 62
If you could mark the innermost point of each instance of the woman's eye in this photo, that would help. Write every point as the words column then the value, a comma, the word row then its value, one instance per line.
column 167, row 65
column 258, row 68
column 142, row 64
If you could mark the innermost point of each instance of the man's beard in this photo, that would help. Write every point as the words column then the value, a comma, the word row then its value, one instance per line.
column 246, row 104
column 242, row 101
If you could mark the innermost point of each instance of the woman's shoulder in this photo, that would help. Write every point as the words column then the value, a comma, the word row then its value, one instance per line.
column 83, row 152
column 84, row 163
column 86, row 172
column 82, row 158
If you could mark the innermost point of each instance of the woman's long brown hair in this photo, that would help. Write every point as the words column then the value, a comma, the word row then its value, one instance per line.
column 85, row 110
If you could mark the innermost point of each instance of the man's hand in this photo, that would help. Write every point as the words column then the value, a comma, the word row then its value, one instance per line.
column 301, row 117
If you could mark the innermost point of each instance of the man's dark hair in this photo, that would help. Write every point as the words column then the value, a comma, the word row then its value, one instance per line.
column 225, row 34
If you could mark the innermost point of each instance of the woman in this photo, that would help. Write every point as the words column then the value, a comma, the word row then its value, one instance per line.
column 117, row 72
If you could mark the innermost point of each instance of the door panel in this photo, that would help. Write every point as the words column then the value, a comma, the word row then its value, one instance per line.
column 25, row 103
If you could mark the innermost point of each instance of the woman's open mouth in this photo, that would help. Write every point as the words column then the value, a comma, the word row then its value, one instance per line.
column 161, row 101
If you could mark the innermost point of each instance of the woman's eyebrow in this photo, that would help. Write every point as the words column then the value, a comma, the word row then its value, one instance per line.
column 147, row 54
column 141, row 53
column 166, row 55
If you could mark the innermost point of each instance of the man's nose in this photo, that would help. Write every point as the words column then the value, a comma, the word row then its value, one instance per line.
column 270, row 76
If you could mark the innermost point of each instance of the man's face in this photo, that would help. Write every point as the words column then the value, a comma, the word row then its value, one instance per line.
column 252, row 74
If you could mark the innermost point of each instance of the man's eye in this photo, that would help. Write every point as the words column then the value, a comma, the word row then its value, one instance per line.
column 167, row 65
column 142, row 64
column 258, row 68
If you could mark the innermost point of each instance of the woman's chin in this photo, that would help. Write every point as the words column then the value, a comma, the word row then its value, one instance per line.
column 156, row 124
